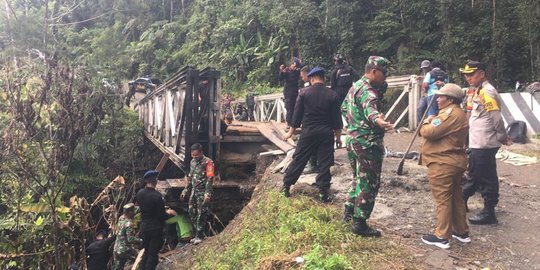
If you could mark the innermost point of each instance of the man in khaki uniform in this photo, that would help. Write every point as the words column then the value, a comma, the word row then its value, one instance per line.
column 443, row 153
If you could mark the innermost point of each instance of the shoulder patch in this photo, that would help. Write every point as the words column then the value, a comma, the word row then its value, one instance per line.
column 436, row 122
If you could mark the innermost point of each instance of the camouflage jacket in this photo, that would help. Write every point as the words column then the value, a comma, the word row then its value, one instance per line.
column 361, row 108
column 126, row 239
column 201, row 175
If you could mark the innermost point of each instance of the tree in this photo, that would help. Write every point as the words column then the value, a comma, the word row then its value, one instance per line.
column 51, row 106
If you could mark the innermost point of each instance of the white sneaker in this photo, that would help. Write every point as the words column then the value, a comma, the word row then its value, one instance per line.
column 197, row 240
column 463, row 238
column 431, row 239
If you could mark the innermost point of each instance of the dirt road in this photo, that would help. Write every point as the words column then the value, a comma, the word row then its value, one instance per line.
column 405, row 211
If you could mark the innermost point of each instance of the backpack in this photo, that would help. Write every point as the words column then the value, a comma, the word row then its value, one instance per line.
column 437, row 75
column 517, row 131
column 344, row 76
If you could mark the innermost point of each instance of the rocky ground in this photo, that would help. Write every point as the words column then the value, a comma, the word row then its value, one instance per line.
column 405, row 211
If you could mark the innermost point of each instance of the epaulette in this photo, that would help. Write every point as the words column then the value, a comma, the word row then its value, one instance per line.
column 446, row 113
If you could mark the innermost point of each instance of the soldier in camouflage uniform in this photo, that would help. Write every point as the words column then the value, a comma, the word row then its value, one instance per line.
column 200, row 180
column 365, row 131
column 126, row 240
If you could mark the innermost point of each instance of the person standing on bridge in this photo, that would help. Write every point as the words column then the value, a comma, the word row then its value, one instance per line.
column 486, row 134
column 304, row 75
column 433, row 80
column 317, row 109
column 365, row 127
column 200, row 182
column 443, row 153
column 343, row 76
column 290, row 75
column 153, row 216
column 250, row 104
column 425, row 67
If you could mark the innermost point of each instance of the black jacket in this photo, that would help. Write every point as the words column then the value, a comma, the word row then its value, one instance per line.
column 98, row 253
column 152, row 207
column 347, row 75
column 317, row 106
column 290, row 79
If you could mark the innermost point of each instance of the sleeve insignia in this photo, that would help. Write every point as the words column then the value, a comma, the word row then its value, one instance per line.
column 436, row 122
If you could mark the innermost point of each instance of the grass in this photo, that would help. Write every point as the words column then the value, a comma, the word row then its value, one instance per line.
column 298, row 233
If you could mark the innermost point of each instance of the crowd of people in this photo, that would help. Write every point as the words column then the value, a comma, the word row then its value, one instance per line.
column 461, row 129
column 130, row 236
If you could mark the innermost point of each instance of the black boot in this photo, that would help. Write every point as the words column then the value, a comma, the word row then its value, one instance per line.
column 286, row 190
column 360, row 227
column 485, row 217
column 324, row 195
column 348, row 213
column 309, row 169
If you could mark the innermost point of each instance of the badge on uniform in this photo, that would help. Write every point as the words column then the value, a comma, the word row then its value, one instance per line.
column 436, row 122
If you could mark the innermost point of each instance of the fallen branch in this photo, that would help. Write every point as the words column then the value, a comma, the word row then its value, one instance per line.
column 11, row 256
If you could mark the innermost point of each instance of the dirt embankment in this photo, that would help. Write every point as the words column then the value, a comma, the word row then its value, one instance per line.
column 405, row 210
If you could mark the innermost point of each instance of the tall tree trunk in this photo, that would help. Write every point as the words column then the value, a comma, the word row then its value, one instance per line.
column 45, row 23
column 171, row 13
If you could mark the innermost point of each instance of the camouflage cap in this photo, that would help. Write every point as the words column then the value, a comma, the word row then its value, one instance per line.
column 378, row 61
column 129, row 206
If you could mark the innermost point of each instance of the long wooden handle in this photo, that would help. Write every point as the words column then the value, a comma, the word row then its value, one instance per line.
column 400, row 166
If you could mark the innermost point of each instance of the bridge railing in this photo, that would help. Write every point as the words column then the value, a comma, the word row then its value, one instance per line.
column 182, row 111
column 272, row 107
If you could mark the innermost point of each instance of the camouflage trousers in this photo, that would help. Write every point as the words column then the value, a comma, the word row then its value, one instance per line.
column 198, row 210
column 366, row 165
column 120, row 259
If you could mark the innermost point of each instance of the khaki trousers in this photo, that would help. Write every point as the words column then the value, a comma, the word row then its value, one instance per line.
column 445, row 184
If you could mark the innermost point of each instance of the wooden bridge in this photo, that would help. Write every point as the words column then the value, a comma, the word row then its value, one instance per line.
column 186, row 109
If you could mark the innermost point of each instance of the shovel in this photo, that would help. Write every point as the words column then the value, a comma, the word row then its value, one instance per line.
column 400, row 166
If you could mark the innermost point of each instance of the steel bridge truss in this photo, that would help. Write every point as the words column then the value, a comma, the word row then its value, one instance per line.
column 183, row 111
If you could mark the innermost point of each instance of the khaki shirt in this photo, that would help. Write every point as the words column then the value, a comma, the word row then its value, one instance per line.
column 444, row 138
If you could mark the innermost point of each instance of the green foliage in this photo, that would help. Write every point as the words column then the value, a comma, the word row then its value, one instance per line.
column 114, row 149
column 314, row 260
column 279, row 229
column 248, row 39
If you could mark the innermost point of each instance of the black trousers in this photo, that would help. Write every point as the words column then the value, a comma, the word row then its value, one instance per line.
column 152, row 242
column 313, row 160
column 290, row 101
column 342, row 92
column 313, row 140
column 251, row 110
column 483, row 176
